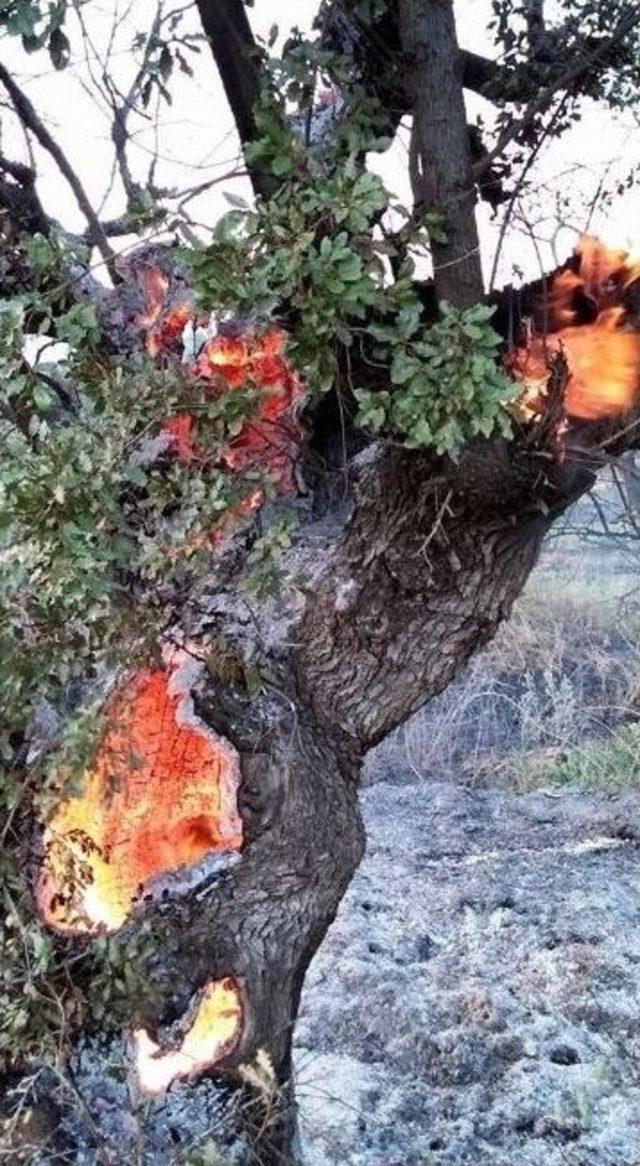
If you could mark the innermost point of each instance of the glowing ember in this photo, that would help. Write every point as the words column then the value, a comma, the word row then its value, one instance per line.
column 271, row 438
column 163, row 324
column 588, row 321
column 227, row 356
column 180, row 430
column 213, row 1034
column 161, row 795
column 233, row 516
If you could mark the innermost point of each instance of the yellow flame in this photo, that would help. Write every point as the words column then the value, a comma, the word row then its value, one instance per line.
column 603, row 354
column 162, row 794
column 214, row 1032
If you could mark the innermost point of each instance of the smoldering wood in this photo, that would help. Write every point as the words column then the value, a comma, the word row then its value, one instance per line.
column 403, row 565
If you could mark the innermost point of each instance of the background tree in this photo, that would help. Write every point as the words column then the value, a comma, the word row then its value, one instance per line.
column 335, row 540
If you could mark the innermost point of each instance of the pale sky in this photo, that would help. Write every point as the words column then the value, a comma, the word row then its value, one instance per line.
column 197, row 141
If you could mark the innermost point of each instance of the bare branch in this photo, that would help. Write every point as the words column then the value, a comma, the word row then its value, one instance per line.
column 29, row 118
column 121, row 111
column 580, row 64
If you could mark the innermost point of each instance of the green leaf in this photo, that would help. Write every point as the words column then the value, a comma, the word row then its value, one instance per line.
column 165, row 63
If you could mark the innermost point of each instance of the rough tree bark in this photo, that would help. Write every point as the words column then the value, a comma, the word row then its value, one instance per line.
column 440, row 148
column 226, row 26
column 381, row 602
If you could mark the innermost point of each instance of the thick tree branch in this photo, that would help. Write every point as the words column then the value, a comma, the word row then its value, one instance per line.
column 19, row 198
column 534, row 16
column 237, row 56
column 481, row 74
column 440, row 149
column 32, row 121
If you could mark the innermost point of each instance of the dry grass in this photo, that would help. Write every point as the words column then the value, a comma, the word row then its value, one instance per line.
column 610, row 764
column 553, row 698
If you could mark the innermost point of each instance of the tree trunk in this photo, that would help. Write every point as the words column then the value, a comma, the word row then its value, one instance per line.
column 427, row 570
column 419, row 576
column 382, row 598
column 259, row 923
column 226, row 26
column 264, row 919
column 440, row 148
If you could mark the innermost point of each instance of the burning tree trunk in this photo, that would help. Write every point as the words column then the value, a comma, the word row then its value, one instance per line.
column 236, row 936
column 220, row 812
column 219, row 816
column 422, row 575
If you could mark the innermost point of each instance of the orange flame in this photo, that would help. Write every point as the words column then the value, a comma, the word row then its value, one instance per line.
column 271, row 438
column 164, row 325
column 587, row 319
column 161, row 795
column 213, row 1034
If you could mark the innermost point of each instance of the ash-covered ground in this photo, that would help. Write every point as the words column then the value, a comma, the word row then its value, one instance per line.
column 477, row 1001
column 478, row 998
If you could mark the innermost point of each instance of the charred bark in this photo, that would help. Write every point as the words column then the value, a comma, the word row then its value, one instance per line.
column 264, row 920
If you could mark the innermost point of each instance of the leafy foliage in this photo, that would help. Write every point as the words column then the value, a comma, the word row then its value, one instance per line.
column 38, row 26
column 98, row 541
column 88, row 529
column 448, row 387
column 314, row 254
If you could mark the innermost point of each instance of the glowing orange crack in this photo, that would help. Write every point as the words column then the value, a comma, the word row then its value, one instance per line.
column 603, row 355
column 163, row 324
column 161, row 794
column 213, row 1034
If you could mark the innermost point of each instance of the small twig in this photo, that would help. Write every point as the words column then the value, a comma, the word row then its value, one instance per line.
column 563, row 81
column 519, row 185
